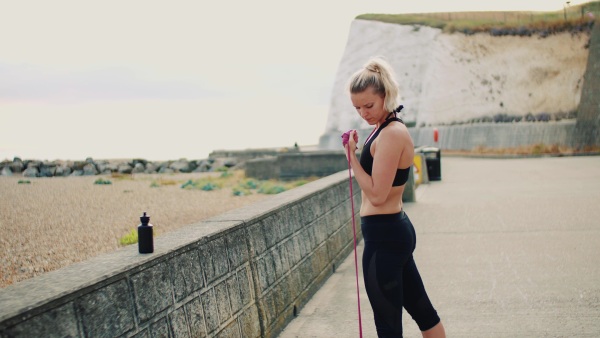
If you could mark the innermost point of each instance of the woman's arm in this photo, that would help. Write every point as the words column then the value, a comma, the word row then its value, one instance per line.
column 385, row 163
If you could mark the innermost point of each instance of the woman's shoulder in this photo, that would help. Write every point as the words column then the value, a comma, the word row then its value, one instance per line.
column 397, row 132
column 395, row 129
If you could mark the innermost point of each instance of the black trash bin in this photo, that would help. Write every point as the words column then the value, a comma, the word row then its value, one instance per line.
column 433, row 160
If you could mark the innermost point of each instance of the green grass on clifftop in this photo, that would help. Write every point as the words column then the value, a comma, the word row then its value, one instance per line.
column 473, row 22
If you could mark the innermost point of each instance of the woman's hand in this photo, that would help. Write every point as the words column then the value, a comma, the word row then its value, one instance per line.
column 349, row 140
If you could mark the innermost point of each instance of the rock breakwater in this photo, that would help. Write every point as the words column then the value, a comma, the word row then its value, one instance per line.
column 90, row 167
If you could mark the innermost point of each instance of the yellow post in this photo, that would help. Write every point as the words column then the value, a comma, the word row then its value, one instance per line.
column 418, row 169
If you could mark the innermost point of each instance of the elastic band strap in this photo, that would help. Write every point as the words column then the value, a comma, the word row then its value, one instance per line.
column 355, row 254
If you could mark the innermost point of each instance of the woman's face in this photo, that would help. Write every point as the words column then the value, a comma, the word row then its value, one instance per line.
column 369, row 106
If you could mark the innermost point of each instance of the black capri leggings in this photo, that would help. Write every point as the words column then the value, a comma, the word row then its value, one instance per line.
column 391, row 277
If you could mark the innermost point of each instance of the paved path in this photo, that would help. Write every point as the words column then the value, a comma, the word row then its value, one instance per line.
column 506, row 248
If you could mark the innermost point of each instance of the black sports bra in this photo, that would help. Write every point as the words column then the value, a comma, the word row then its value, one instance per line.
column 366, row 159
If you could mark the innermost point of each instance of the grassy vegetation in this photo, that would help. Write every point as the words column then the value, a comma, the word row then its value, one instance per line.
column 129, row 238
column 102, row 181
column 119, row 176
column 241, row 185
column 24, row 182
column 161, row 182
column 236, row 180
column 473, row 22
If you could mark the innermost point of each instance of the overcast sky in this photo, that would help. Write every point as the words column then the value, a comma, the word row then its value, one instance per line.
column 165, row 80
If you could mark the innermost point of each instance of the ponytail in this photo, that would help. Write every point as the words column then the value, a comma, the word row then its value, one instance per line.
column 378, row 75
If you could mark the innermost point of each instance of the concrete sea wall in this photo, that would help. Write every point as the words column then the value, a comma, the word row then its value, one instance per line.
column 489, row 135
column 290, row 166
column 497, row 135
column 240, row 274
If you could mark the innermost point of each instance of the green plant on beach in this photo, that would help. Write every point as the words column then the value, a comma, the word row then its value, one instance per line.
column 271, row 188
column 119, row 176
column 204, row 184
column 209, row 186
column 24, row 182
column 241, row 191
column 102, row 181
column 130, row 238
column 249, row 184
column 162, row 182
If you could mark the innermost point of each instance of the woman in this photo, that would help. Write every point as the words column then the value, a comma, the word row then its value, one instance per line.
column 391, row 277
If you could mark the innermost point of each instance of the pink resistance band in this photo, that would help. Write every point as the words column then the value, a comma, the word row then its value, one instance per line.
column 345, row 138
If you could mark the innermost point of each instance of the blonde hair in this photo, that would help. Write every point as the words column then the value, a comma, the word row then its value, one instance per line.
column 378, row 75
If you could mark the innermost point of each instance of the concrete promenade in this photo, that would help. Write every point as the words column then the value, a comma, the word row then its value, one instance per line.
column 506, row 248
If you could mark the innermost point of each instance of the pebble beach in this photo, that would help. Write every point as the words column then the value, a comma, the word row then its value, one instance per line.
column 50, row 223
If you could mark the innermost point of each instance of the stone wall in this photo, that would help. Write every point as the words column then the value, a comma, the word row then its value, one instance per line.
column 290, row 166
column 240, row 274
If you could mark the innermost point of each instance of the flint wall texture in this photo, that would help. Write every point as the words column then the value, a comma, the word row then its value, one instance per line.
column 240, row 274
column 588, row 120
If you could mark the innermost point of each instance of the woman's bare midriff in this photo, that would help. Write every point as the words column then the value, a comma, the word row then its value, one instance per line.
column 392, row 205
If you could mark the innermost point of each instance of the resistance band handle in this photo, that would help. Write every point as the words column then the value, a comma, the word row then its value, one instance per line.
column 346, row 137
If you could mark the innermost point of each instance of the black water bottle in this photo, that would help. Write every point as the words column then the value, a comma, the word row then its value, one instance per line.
column 145, row 240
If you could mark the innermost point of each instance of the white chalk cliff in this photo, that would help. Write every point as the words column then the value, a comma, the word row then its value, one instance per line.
column 454, row 77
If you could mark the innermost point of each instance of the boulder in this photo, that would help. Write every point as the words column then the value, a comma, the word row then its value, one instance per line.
column 203, row 166
column 90, row 169
column 31, row 172
column 150, row 168
column 124, row 168
column 113, row 167
column 138, row 160
column 77, row 173
column 227, row 162
column 66, row 171
column 47, row 171
column 17, row 165
column 102, row 166
column 165, row 170
column 182, row 166
column 138, row 168
column 59, row 171
column 34, row 164
column 162, row 166
column 78, row 165
column 193, row 165
column 6, row 171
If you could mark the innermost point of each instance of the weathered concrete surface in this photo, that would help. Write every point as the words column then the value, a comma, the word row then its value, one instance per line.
column 507, row 248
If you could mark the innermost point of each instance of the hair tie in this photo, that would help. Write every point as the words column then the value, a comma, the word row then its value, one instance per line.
column 373, row 68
